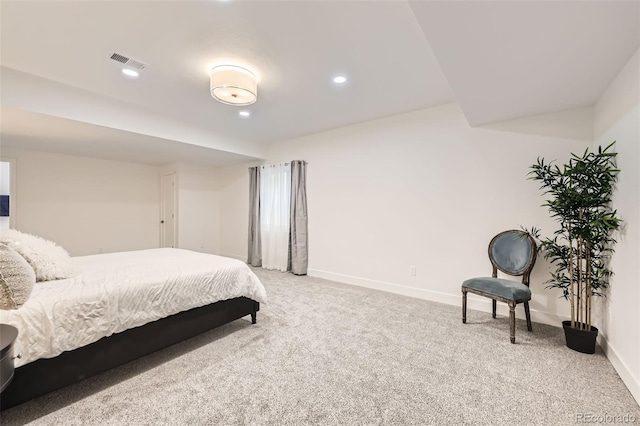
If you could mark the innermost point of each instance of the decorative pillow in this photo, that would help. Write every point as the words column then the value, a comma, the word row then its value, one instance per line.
column 48, row 260
column 16, row 279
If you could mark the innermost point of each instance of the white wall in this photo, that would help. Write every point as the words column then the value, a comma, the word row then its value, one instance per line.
column 617, row 117
column 198, row 208
column 89, row 205
column 234, row 212
column 421, row 189
column 85, row 204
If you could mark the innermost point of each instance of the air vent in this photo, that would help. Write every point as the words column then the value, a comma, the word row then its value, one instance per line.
column 119, row 58
column 133, row 63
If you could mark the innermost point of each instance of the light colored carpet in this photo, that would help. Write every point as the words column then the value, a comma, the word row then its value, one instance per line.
column 327, row 353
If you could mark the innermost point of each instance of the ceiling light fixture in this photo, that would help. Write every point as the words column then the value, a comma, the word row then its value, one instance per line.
column 233, row 85
column 244, row 113
column 340, row 79
column 130, row 72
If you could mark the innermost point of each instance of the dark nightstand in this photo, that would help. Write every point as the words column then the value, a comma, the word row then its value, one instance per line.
column 8, row 335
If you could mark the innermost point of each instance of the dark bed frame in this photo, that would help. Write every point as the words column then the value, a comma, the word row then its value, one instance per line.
column 46, row 375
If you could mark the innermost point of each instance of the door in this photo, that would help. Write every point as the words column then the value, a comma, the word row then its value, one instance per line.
column 168, row 210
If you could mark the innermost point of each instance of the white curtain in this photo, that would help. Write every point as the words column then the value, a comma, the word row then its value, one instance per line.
column 275, row 202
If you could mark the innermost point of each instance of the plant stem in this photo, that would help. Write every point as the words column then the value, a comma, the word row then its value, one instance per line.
column 588, row 287
column 580, row 298
column 573, row 291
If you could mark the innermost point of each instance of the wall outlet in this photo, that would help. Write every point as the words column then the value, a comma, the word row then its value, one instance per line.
column 412, row 271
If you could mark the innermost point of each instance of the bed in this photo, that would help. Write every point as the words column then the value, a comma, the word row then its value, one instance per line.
column 119, row 307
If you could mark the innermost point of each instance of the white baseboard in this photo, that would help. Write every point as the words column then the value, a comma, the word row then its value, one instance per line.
column 235, row 256
column 478, row 303
column 632, row 382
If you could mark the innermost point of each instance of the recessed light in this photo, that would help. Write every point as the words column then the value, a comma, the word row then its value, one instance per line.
column 340, row 79
column 130, row 72
column 244, row 113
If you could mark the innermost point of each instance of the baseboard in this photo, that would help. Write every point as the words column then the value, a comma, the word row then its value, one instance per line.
column 235, row 256
column 632, row 382
column 476, row 303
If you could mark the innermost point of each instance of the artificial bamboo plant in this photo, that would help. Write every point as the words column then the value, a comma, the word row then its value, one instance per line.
column 579, row 200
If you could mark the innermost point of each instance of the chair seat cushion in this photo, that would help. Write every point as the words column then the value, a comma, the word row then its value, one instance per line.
column 508, row 289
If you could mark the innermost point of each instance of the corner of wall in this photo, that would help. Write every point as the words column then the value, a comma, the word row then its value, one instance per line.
column 575, row 124
column 620, row 97
column 616, row 117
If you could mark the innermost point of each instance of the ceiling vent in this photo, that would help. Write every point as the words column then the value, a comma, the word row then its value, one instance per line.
column 133, row 63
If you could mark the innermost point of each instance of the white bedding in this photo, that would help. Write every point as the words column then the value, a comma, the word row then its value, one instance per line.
column 117, row 291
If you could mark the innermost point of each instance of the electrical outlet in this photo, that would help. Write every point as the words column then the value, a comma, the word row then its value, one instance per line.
column 412, row 271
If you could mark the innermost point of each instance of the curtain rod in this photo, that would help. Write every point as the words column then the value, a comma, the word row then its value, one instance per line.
column 279, row 164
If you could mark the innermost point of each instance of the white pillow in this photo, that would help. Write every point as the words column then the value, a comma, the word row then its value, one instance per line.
column 48, row 260
column 16, row 279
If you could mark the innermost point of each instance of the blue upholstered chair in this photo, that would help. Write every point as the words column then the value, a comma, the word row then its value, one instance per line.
column 514, row 253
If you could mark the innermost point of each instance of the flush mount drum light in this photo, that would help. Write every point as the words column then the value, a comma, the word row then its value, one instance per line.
column 233, row 85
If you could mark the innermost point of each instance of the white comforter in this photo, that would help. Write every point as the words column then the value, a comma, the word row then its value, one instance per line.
column 117, row 291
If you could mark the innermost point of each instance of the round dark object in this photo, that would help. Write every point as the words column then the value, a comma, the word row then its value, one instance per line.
column 8, row 335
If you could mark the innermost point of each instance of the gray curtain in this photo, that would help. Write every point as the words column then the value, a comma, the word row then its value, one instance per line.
column 254, row 257
column 298, row 255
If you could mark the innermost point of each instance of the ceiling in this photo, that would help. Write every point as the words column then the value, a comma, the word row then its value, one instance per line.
column 511, row 59
column 26, row 129
column 498, row 60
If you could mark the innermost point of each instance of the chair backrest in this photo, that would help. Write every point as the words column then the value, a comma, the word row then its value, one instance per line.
column 514, row 253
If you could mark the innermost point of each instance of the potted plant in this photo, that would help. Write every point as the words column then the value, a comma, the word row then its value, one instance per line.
column 579, row 200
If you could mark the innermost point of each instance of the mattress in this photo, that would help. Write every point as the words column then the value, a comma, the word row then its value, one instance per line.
column 118, row 291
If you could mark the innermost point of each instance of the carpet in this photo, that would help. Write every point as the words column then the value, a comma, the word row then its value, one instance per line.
column 324, row 353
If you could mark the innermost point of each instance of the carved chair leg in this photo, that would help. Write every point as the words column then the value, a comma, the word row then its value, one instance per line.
column 493, row 303
column 464, row 307
column 512, row 321
column 528, row 315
